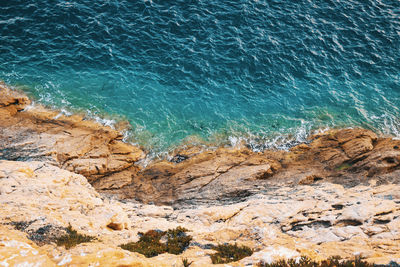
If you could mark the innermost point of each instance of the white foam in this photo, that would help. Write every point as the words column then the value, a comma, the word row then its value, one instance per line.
column 63, row 112
column 388, row 124
column 106, row 122
column 235, row 141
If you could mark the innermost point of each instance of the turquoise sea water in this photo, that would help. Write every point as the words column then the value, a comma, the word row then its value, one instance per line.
column 219, row 71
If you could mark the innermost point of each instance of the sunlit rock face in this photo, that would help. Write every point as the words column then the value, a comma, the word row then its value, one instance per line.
column 338, row 194
column 321, row 220
column 192, row 176
column 71, row 142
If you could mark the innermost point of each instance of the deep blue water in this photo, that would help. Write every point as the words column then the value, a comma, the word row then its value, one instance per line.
column 210, row 70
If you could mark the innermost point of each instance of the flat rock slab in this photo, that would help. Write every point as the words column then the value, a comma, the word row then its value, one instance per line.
column 319, row 221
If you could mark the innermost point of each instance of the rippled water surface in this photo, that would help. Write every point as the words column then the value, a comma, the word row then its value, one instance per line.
column 212, row 70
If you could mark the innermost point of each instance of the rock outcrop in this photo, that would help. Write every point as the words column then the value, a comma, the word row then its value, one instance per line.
column 348, row 157
column 320, row 220
column 345, row 156
column 337, row 194
column 70, row 142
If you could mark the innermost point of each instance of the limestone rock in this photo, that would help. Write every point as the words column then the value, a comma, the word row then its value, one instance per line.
column 344, row 156
column 285, row 222
column 70, row 142
column 16, row 249
column 275, row 202
column 348, row 156
column 59, row 196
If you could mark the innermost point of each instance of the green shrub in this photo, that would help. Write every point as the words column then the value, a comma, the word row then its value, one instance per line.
column 177, row 240
column 228, row 253
column 72, row 238
column 150, row 244
column 307, row 262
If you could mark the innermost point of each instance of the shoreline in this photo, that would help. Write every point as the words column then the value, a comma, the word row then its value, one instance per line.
column 98, row 152
column 255, row 142
column 334, row 195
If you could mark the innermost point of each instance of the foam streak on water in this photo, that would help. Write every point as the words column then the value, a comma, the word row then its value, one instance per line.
column 217, row 71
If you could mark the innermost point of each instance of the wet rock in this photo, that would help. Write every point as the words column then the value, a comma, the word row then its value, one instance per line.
column 178, row 158
column 349, row 156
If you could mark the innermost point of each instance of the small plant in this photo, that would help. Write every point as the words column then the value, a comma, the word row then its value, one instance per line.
column 150, row 244
column 307, row 262
column 186, row 262
column 177, row 240
column 228, row 253
column 72, row 238
column 22, row 225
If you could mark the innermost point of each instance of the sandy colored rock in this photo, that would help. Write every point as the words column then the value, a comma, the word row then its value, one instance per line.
column 337, row 194
column 348, row 157
column 12, row 101
column 70, row 142
column 45, row 190
column 344, row 156
column 16, row 249
column 285, row 222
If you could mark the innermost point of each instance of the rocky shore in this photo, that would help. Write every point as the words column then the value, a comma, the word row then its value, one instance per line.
column 338, row 194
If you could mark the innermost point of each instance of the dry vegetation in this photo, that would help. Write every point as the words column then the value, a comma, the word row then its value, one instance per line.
column 72, row 238
column 307, row 262
column 150, row 243
column 228, row 253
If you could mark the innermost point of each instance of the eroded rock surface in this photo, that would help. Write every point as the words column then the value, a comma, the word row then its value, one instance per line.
column 348, row 157
column 70, row 142
column 337, row 194
column 319, row 221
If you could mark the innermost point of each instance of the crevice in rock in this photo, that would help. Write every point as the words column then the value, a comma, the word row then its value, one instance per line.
column 390, row 160
column 337, row 206
column 379, row 221
column 384, row 213
column 219, row 174
column 233, row 215
column 236, row 195
column 358, row 159
column 178, row 158
column 349, row 222
column 298, row 226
